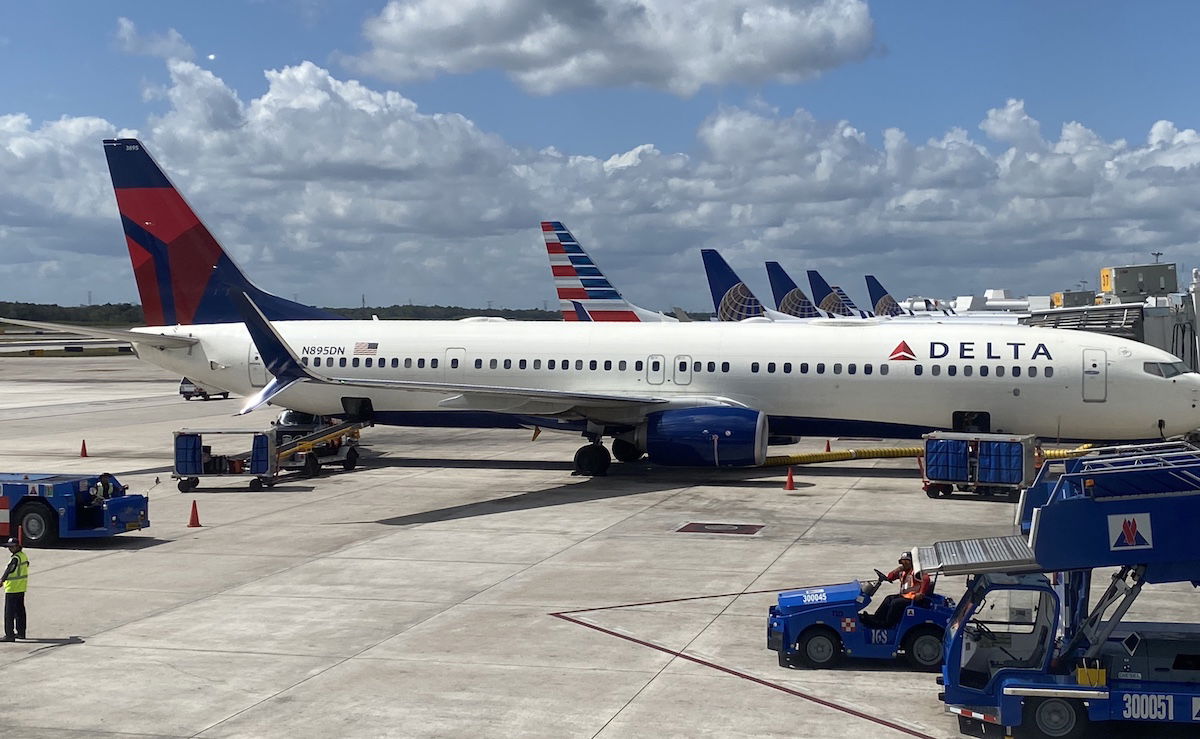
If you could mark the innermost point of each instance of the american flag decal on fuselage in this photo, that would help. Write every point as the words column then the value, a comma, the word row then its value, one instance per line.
column 578, row 279
column 365, row 348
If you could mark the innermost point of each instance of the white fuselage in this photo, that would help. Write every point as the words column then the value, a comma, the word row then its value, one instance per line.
column 1049, row 382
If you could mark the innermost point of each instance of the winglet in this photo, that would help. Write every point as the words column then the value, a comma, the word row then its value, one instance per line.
column 732, row 300
column 277, row 356
column 581, row 313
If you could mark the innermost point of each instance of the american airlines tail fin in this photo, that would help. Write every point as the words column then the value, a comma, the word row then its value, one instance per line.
column 183, row 275
column 789, row 298
column 732, row 300
column 882, row 301
column 832, row 299
column 580, row 282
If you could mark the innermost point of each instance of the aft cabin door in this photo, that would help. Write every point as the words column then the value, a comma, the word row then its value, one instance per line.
column 258, row 373
column 683, row 370
column 1095, row 376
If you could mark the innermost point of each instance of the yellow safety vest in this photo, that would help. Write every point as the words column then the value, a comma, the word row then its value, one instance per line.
column 19, row 579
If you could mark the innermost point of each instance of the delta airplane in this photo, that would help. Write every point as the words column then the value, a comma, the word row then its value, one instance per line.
column 703, row 393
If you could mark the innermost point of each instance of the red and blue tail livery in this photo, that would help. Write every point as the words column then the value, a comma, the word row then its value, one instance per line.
column 183, row 275
column 582, row 288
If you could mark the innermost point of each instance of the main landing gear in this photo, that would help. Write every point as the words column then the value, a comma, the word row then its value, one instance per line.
column 592, row 460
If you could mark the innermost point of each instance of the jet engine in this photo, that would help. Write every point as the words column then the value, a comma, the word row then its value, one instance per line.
column 714, row 436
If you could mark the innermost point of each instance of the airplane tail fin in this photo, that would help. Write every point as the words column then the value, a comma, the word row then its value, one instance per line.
column 580, row 282
column 882, row 301
column 789, row 298
column 183, row 275
column 828, row 298
column 732, row 300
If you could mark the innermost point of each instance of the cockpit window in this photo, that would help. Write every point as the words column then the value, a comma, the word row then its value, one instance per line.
column 1165, row 369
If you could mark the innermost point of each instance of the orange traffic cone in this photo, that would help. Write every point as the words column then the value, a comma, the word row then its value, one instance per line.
column 194, row 521
column 790, row 484
column 83, row 448
column 827, row 449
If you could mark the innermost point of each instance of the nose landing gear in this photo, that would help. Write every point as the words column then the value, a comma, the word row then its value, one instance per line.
column 592, row 460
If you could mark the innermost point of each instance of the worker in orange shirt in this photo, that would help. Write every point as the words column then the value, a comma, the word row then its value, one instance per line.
column 914, row 590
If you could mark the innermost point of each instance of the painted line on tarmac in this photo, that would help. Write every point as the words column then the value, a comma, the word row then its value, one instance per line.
column 567, row 616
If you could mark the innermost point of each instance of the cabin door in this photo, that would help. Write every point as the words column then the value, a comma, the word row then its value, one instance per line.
column 1095, row 376
column 656, row 370
column 258, row 373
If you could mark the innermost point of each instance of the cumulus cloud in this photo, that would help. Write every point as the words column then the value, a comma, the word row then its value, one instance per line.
column 169, row 45
column 327, row 189
column 551, row 45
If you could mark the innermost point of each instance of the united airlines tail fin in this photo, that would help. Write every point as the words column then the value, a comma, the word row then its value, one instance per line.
column 183, row 275
column 580, row 282
column 832, row 299
column 732, row 300
column 882, row 301
column 789, row 298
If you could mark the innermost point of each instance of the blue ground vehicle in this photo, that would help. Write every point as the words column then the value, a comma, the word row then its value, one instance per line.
column 49, row 507
column 818, row 626
column 1025, row 655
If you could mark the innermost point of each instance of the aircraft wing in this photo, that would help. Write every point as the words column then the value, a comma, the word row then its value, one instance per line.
column 159, row 341
column 285, row 367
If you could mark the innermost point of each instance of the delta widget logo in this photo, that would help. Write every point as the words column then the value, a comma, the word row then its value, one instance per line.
column 903, row 351
column 1130, row 531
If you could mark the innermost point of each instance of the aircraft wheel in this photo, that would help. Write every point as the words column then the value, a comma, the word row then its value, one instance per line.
column 626, row 451
column 819, row 647
column 1053, row 717
column 592, row 460
column 923, row 648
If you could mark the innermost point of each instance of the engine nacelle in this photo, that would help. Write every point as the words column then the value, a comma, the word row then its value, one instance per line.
column 713, row 436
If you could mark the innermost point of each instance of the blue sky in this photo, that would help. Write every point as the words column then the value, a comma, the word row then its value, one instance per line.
column 923, row 68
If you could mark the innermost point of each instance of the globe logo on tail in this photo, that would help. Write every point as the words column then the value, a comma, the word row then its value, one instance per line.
column 739, row 304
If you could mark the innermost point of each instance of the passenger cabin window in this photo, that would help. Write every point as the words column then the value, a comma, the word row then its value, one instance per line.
column 983, row 371
column 935, row 370
column 804, row 368
column 724, row 366
column 478, row 363
column 771, row 367
column 712, row 366
column 1049, row 372
column 655, row 366
column 396, row 363
column 454, row 363
column 883, row 369
column 304, row 361
column 967, row 370
column 1032, row 371
column 638, row 366
column 508, row 364
column 408, row 363
column 607, row 365
column 592, row 365
column 433, row 363
column 1016, row 371
column 1000, row 371
column 492, row 363
column 754, row 366
column 578, row 364
column 354, row 362
column 952, row 370
column 550, row 364
column 537, row 364
column 851, row 369
column 837, row 368
column 683, row 366
column 622, row 365
column 820, row 368
column 421, row 363
column 522, row 364
column 368, row 361
column 787, row 368
column 918, row 370
column 868, row 368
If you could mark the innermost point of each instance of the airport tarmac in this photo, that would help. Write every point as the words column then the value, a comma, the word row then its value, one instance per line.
column 460, row 582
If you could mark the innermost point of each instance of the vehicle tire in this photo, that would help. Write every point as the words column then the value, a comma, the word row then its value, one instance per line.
column 351, row 459
column 626, row 451
column 256, row 485
column 932, row 492
column 39, row 525
column 312, row 466
column 1058, row 718
column 224, row 396
column 592, row 460
column 183, row 485
column 923, row 648
column 819, row 647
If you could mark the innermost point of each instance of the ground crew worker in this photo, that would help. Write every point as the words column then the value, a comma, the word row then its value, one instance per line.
column 914, row 589
column 108, row 487
column 15, row 579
